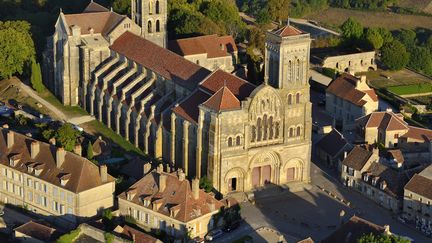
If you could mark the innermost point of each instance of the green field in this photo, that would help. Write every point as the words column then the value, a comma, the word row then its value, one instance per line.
column 411, row 89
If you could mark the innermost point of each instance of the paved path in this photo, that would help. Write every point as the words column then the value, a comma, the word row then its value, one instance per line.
column 77, row 120
column 48, row 105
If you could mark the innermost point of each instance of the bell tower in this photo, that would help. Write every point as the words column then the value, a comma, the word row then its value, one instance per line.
column 151, row 16
column 287, row 56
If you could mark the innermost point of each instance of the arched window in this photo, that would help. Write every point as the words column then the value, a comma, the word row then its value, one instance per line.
column 277, row 130
column 298, row 131
column 151, row 7
column 297, row 98
column 265, row 127
column 149, row 27
column 157, row 7
column 291, row 132
column 289, row 99
column 253, row 135
column 157, row 25
column 271, row 128
column 238, row 142
column 259, row 129
column 230, row 142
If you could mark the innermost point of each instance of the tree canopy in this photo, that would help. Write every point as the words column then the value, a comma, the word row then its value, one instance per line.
column 371, row 238
column 352, row 29
column 16, row 47
column 395, row 55
column 66, row 136
column 374, row 38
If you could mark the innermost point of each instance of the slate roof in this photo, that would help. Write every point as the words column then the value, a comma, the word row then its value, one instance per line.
column 395, row 181
column 177, row 195
column 357, row 158
column 352, row 230
column 420, row 185
column 332, row 143
column 344, row 87
column 207, row 44
column 83, row 174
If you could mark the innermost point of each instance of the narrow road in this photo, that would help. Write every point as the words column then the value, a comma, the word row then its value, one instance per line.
column 60, row 115
column 77, row 120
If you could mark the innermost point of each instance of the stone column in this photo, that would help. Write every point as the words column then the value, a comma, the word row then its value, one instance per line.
column 173, row 138
column 186, row 146
column 137, row 128
column 199, row 143
column 146, row 136
column 128, row 118
column 118, row 116
column 109, row 110
column 100, row 105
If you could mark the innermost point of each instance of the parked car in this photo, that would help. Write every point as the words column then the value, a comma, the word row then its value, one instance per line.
column 197, row 240
column 214, row 234
column 78, row 128
column 231, row 227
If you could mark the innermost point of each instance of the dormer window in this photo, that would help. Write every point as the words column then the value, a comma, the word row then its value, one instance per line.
column 374, row 181
column 366, row 177
column 383, row 185
column 64, row 178
column 14, row 159
column 146, row 202
column 130, row 194
column 38, row 171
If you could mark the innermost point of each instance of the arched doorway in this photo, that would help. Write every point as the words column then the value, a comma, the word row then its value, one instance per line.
column 234, row 180
column 293, row 170
column 263, row 169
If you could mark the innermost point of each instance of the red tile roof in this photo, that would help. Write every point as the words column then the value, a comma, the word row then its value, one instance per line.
column 352, row 230
column 84, row 175
column 38, row 231
column 385, row 120
column 357, row 158
column 100, row 22
column 223, row 99
column 160, row 60
column 188, row 109
column 177, row 196
column 418, row 133
column 208, row 44
column 288, row 30
column 137, row 236
column 344, row 87
column 239, row 87
column 420, row 185
column 95, row 7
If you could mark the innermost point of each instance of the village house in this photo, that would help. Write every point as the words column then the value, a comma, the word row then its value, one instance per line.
column 209, row 51
column 332, row 147
column 169, row 202
column 417, row 200
column 349, row 98
column 356, row 163
column 61, row 186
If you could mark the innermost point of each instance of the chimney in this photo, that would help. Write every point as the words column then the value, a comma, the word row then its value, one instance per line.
column 387, row 229
column 103, row 171
column 34, row 149
column 162, row 182
column 195, row 189
column 60, row 156
column 78, row 149
column 345, row 154
column 10, row 139
column 147, row 168
column 52, row 141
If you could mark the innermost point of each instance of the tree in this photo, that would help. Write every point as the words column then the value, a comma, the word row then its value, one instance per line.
column 374, row 38
column 89, row 151
column 122, row 6
column 371, row 238
column 408, row 38
column 66, row 136
column 420, row 60
column 386, row 35
column 16, row 47
column 36, row 77
column 395, row 55
column 351, row 29
column 263, row 17
column 205, row 184
column 278, row 9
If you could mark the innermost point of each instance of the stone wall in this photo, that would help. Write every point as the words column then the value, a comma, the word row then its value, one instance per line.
column 352, row 63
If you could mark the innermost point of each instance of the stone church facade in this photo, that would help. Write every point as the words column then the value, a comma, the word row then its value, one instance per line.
column 206, row 122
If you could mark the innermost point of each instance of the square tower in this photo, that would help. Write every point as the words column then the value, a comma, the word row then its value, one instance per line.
column 151, row 16
column 287, row 58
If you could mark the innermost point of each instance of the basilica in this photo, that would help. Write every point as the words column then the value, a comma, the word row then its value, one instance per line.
column 209, row 123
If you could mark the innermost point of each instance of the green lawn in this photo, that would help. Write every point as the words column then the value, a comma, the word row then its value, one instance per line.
column 68, row 110
column 97, row 128
column 411, row 89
